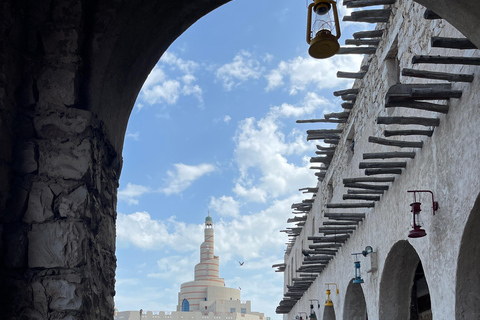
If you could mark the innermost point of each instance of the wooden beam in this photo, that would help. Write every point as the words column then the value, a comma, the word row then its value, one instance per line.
column 432, row 94
column 474, row 61
column 324, row 131
column 344, row 215
column 368, row 179
column 368, row 34
column 452, row 77
column 327, row 153
column 339, row 115
column 396, row 143
column 349, row 97
column 357, row 50
column 322, row 136
column 308, row 190
column 388, row 155
column 350, row 75
column 318, row 257
column 321, row 246
column 347, row 105
column 370, row 172
column 351, row 205
column 340, row 223
column 362, row 42
column 435, row 107
column 370, row 165
column 360, row 197
column 391, row 133
column 322, row 120
column 353, row 191
column 430, row 15
column 346, row 91
column 428, row 122
column 343, row 228
column 320, row 159
column 366, row 186
column 325, row 148
column 370, row 16
column 368, row 3
column 452, row 43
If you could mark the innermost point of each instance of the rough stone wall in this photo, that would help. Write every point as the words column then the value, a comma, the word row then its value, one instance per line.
column 58, row 256
column 447, row 164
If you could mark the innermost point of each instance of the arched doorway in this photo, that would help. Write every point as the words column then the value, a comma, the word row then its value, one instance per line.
column 468, row 274
column 404, row 292
column 355, row 307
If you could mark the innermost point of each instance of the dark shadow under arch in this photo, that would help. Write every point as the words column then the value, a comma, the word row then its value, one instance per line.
column 467, row 299
column 328, row 313
column 355, row 307
column 399, row 288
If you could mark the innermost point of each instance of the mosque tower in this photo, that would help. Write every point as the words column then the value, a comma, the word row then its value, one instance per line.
column 198, row 295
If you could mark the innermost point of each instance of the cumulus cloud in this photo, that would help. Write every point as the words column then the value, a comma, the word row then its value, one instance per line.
column 184, row 175
column 161, row 87
column 131, row 192
column 224, row 206
column 244, row 67
column 302, row 73
column 134, row 135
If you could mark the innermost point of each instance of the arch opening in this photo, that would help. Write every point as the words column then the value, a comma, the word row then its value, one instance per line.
column 355, row 307
column 328, row 313
column 404, row 292
column 185, row 305
column 468, row 275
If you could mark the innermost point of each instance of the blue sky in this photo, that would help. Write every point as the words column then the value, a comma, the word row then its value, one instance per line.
column 213, row 129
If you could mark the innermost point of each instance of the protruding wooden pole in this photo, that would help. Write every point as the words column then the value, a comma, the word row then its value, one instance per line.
column 428, row 122
column 351, row 205
column 396, row 143
column 357, row 50
column 347, row 105
column 388, row 155
column 353, row 191
column 346, row 91
column 368, row 34
column 368, row 179
column 366, row 186
column 446, row 60
column 350, row 75
column 453, row 43
column 344, row 215
column 369, row 172
column 360, row 197
column 435, row 107
column 367, row 3
column 452, row 77
column 322, row 120
column 391, row 133
column 362, row 42
column 369, row 165
column 369, row 16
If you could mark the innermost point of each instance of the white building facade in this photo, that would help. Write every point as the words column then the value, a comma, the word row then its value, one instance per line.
column 411, row 122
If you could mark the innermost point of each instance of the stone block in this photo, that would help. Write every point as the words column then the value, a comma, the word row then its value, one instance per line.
column 62, row 122
column 56, row 244
column 66, row 160
column 39, row 208
column 39, row 298
column 62, row 295
column 73, row 204
column 57, row 85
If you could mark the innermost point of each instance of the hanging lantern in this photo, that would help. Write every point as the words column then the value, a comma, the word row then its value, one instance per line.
column 323, row 43
column 417, row 231
column 328, row 302
column 358, row 276
column 313, row 315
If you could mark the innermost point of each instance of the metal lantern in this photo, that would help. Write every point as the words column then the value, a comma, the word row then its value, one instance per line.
column 417, row 231
column 323, row 43
column 358, row 276
column 313, row 315
column 328, row 302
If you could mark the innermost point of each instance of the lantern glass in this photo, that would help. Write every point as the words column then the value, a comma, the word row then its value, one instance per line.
column 417, row 231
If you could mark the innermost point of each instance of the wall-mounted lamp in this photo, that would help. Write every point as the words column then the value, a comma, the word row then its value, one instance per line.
column 328, row 302
column 323, row 44
column 358, row 276
column 417, row 231
column 313, row 315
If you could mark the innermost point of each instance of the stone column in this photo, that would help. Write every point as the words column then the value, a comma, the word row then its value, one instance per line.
column 58, row 258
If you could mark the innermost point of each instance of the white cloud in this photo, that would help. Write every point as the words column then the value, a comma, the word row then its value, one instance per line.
column 243, row 68
column 134, row 135
column 303, row 73
column 184, row 175
column 180, row 81
column 224, row 206
column 132, row 192
column 227, row 119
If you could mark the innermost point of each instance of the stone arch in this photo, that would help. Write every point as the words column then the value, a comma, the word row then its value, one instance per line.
column 468, row 274
column 355, row 307
column 403, row 288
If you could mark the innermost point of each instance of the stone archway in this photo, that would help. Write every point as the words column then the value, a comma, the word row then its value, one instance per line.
column 404, row 290
column 467, row 289
column 355, row 307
